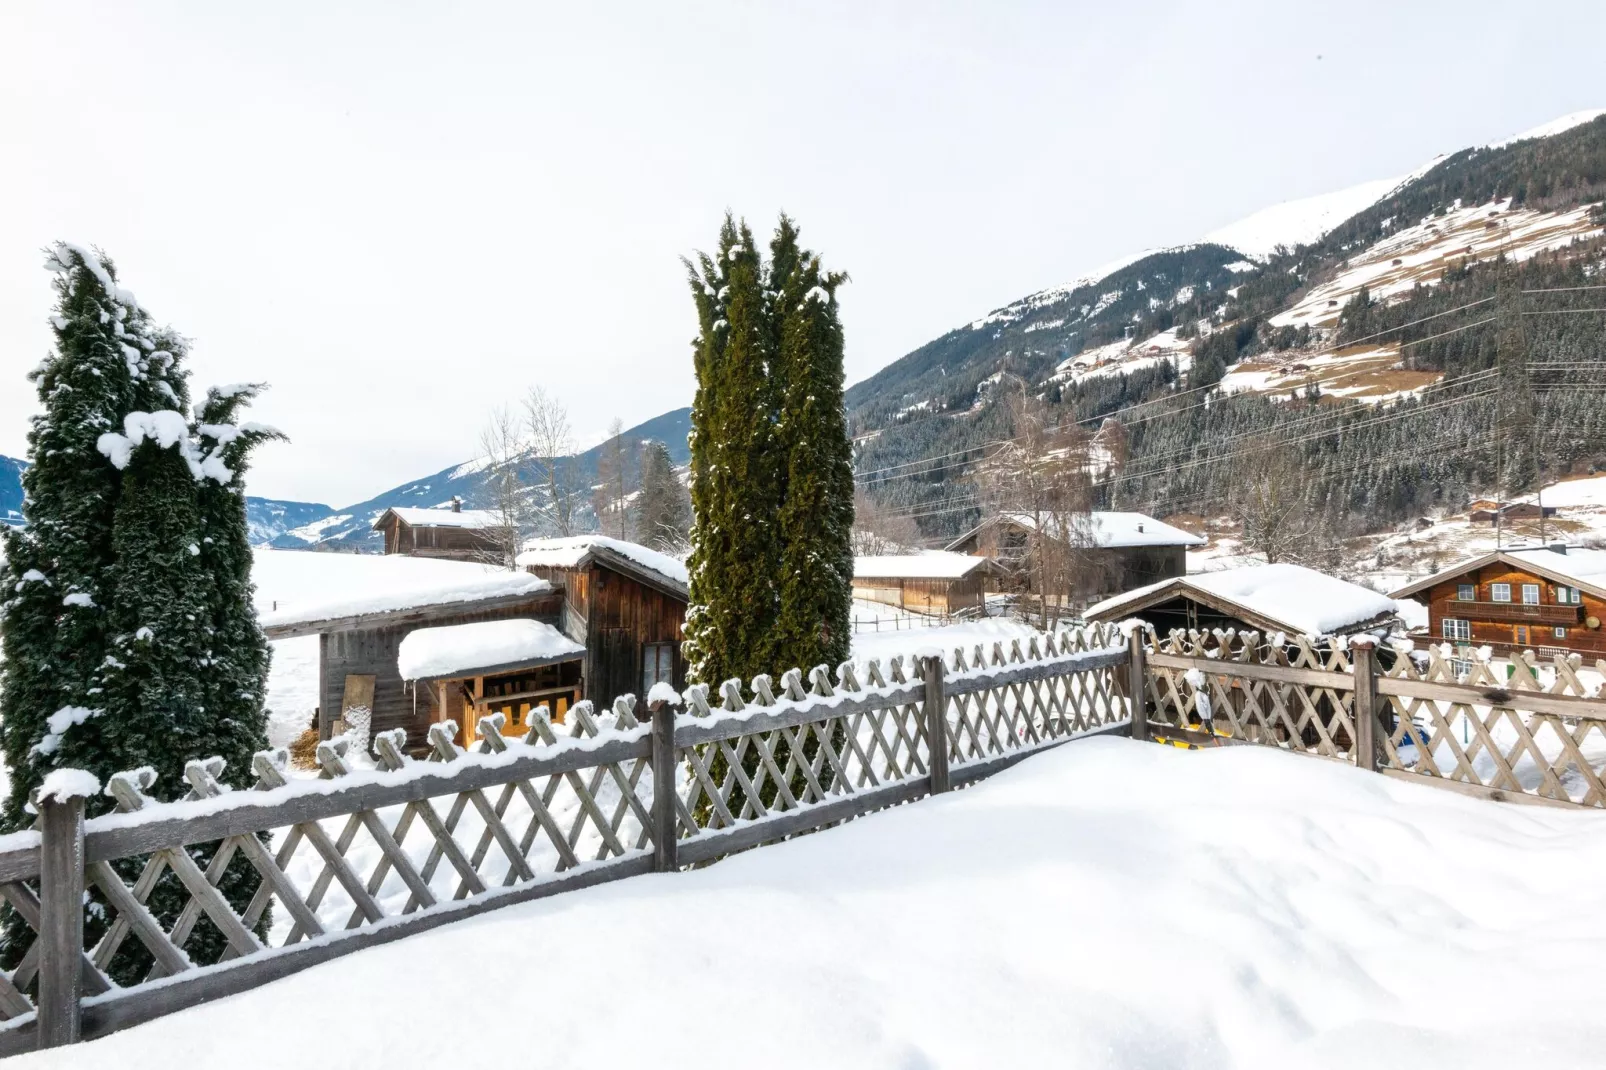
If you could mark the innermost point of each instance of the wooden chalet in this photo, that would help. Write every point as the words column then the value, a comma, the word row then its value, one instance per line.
column 1487, row 512
column 1285, row 598
column 1119, row 551
column 456, row 533
column 937, row 582
column 1550, row 600
column 624, row 602
column 599, row 618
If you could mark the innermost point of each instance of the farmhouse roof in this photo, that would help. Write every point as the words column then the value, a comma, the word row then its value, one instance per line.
column 657, row 570
column 937, row 565
column 476, row 519
column 480, row 589
column 1570, row 565
column 1105, row 530
column 1274, row 598
column 482, row 648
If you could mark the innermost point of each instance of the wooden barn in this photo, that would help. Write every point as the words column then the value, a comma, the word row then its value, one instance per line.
column 590, row 618
column 1269, row 599
column 937, row 583
column 624, row 602
column 456, row 533
column 359, row 644
column 1116, row 551
column 1549, row 600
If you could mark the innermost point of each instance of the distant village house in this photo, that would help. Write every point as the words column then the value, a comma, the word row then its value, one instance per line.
column 456, row 533
column 937, row 583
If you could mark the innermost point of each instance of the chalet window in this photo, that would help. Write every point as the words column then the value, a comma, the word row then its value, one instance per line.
column 657, row 666
column 1452, row 628
column 1569, row 596
column 1466, row 592
column 1559, row 632
column 1530, row 594
column 1499, row 592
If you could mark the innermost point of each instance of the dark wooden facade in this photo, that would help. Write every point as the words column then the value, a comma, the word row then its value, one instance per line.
column 927, row 594
column 629, row 619
column 437, row 540
column 1560, row 615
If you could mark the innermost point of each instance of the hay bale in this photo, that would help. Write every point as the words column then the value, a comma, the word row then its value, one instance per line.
column 304, row 750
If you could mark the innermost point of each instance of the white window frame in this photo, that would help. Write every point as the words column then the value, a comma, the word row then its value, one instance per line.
column 1530, row 589
column 1559, row 632
column 1569, row 596
column 1500, row 592
column 1466, row 592
column 1456, row 629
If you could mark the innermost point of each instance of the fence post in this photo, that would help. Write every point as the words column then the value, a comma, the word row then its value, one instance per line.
column 665, row 832
column 935, row 712
column 61, row 918
column 1137, row 686
column 1363, row 662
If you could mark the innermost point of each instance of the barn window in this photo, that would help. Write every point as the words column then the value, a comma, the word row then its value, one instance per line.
column 1466, row 592
column 657, row 665
column 1499, row 592
column 1530, row 594
column 1452, row 628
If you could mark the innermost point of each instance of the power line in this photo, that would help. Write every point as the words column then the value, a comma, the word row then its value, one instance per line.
column 1562, row 289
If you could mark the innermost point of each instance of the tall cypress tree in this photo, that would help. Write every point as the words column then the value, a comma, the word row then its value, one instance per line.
column 815, row 521
column 736, row 474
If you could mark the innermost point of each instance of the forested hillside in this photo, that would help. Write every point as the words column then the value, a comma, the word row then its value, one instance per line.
column 1461, row 381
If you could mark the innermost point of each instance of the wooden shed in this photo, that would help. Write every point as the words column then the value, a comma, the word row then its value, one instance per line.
column 1269, row 599
column 1115, row 551
column 456, row 533
column 359, row 643
column 937, row 582
column 627, row 605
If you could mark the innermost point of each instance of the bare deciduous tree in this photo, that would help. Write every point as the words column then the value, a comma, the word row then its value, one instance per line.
column 1268, row 502
column 1042, row 477
column 549, row 460
column 502, row 450
column 878, row 530
column 610, row 494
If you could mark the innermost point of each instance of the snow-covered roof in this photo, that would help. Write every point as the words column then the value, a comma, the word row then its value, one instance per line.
column 473, row 649
column 479, row 519
column 937, row 565
column 1107, row 530
column 477, row 587
column 573, row 551
column 1285, row 597
column 1578, row 567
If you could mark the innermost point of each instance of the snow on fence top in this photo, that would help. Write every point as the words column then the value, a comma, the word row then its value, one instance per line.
column 465, row 649
column 473, row 588
column 479, row 519
column 938, row 565
column 1298, row 599
column 572, row 551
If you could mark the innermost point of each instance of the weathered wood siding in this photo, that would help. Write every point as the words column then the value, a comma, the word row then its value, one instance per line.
column 459, row 544
column 1108, row 571
column 372, row 651
column 925, row 595
column 624, row 614
column 1512, row 626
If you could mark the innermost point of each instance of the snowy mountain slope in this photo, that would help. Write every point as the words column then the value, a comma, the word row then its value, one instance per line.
column 11, row 490
column 1111, row 905
column 351, row 526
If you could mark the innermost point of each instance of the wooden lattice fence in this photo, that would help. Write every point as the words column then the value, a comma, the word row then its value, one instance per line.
column 362, row 856
column 1537, row 734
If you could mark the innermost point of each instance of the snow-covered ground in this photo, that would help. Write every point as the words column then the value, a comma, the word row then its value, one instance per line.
column 1109, row 904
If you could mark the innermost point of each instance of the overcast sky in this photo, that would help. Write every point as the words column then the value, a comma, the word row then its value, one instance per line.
column 400, row 215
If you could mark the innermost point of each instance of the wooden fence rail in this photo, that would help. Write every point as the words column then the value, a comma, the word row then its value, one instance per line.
column 362, row 856
column 1408, row 714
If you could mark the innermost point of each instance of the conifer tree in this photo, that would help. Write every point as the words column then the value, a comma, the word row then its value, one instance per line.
column 815, row 522
column 736, row 477
column 56, row 582
column 663, row 512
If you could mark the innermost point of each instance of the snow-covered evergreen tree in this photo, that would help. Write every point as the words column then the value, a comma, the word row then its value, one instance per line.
column 736, row 470
column 663, row 512
column 56, row 583
column 816, row 518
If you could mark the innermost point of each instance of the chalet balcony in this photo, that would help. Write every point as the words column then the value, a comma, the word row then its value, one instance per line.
column 1571, row 616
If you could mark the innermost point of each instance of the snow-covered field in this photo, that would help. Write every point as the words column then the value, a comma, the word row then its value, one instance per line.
column 1109, row 904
